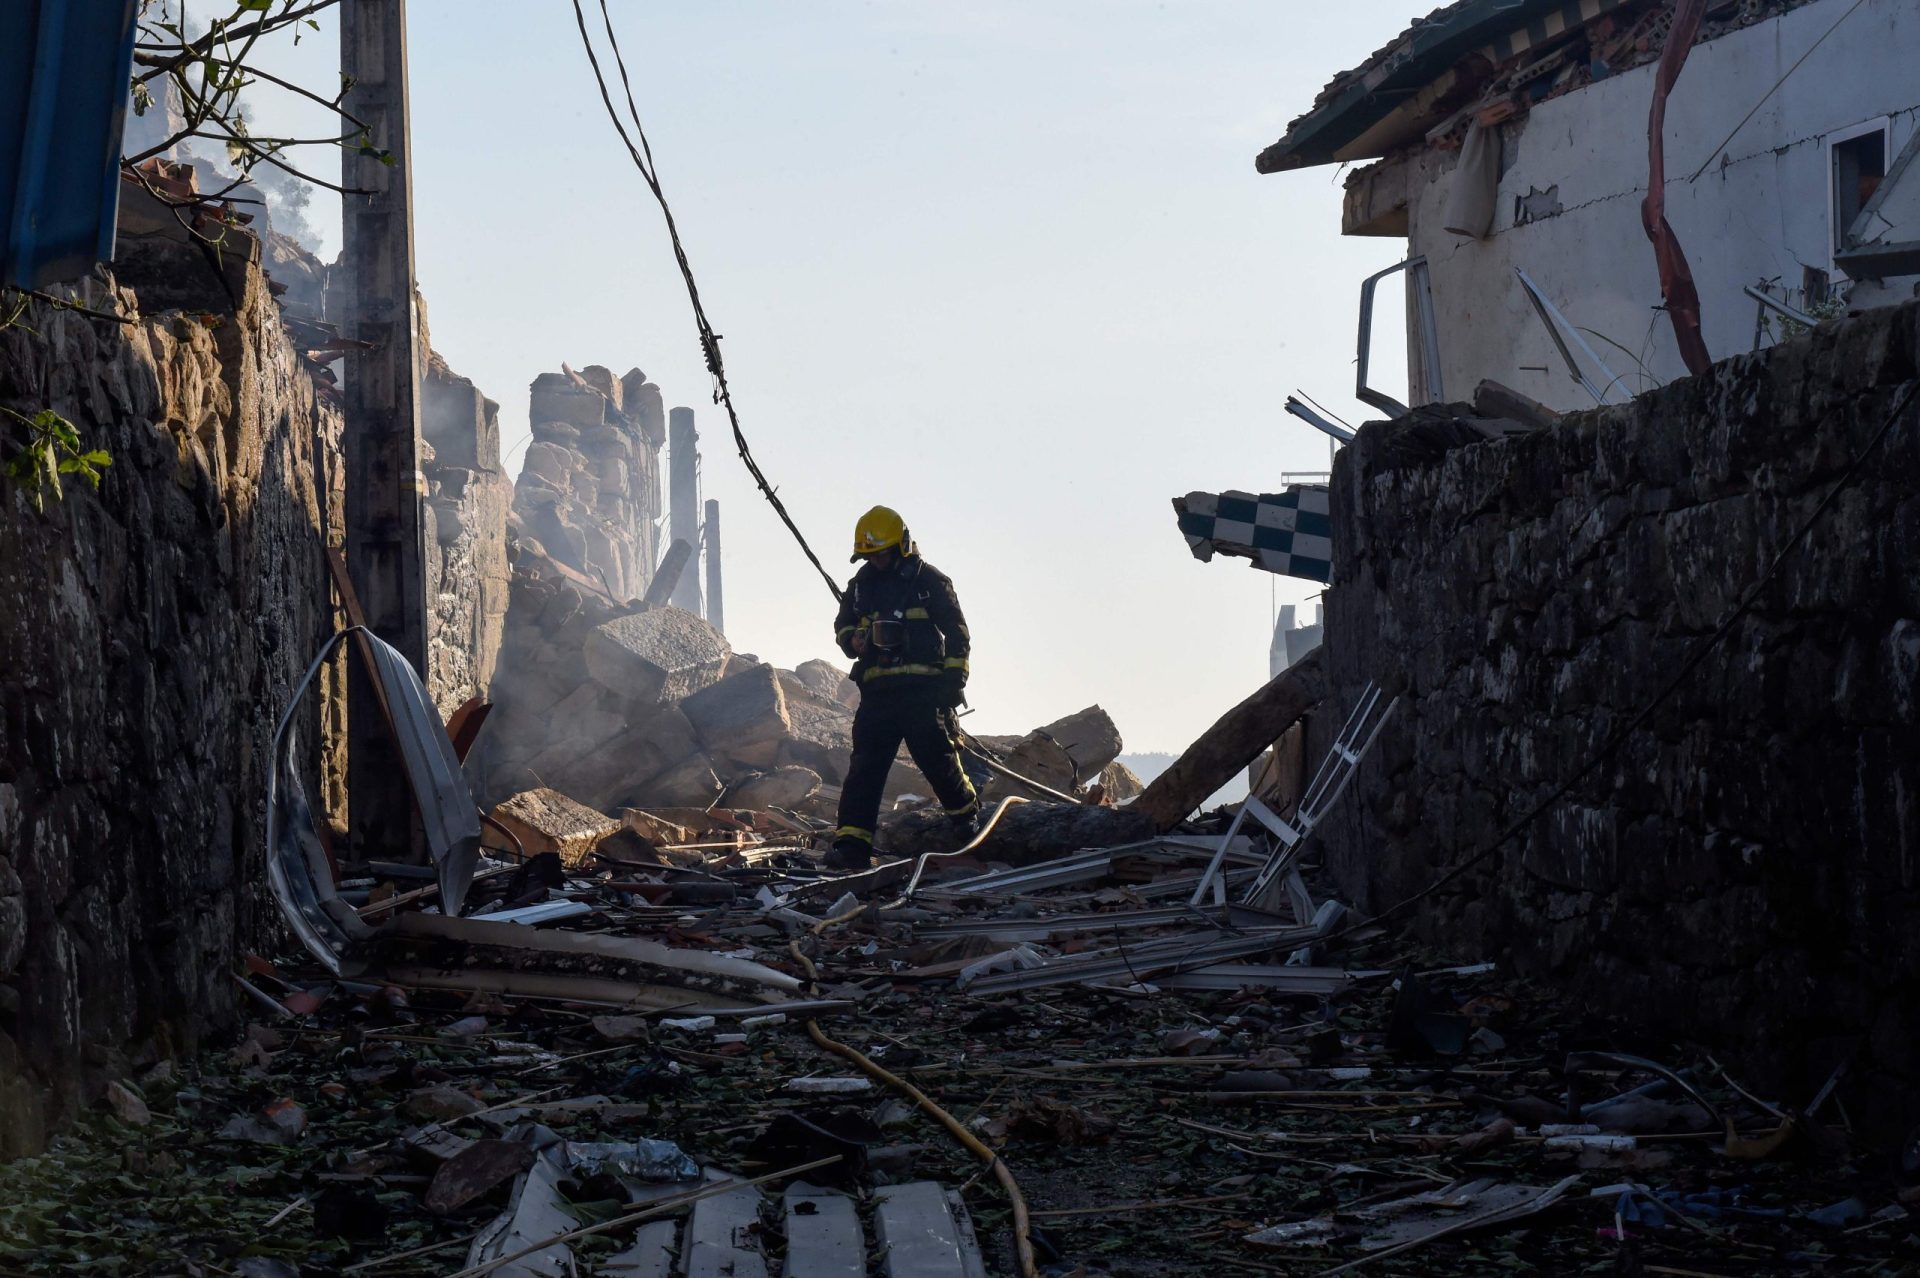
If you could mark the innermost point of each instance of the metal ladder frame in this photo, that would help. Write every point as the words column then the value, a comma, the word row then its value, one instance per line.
column 1336, row 770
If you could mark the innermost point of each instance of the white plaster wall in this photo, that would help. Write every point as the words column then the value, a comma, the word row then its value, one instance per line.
column 1759, row 212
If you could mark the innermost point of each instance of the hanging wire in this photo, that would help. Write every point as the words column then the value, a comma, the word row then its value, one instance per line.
column 709, row 340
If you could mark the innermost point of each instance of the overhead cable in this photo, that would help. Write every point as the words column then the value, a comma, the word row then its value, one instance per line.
column 709, row 340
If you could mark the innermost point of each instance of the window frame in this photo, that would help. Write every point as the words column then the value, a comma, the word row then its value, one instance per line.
column 1836, row 233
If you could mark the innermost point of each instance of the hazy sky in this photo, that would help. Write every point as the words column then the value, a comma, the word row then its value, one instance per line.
column 1004, row 266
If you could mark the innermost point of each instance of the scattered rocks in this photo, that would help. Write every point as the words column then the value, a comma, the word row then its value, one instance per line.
column 548, row 821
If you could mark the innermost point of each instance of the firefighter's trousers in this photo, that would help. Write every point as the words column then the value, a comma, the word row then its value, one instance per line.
column 889, row 715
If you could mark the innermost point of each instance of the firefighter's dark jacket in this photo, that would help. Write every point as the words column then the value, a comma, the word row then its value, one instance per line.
column 921, row 599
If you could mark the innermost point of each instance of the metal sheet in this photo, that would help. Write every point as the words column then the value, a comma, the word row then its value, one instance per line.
column 448, row 813
column 1140, row 962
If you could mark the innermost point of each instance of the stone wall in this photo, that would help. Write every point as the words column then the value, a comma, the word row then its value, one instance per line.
column 150, row 635
column 468, row 499
column 1745, row 869
column 589, row 489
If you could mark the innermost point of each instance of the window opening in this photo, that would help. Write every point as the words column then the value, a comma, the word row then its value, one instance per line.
column 1857, row 163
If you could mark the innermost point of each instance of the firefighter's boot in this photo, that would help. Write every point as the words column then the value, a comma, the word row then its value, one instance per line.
column 849, row 853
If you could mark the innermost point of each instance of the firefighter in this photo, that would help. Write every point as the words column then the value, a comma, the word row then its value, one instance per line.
column 900, row 621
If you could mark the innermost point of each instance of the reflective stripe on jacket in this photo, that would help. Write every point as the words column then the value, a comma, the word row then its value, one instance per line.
column 921, row 600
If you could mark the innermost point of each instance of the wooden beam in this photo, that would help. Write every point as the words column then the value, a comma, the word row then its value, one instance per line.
column 1233, row 742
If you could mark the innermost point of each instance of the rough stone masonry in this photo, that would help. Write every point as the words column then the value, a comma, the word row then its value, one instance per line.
column 1745, row 869
column 150, row 637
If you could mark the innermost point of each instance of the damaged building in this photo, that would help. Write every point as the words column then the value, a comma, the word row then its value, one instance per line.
column 1506, row 144
column 1570, row 922
column 1654, row 657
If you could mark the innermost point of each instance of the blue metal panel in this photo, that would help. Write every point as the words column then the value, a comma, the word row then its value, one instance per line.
column 64, row 74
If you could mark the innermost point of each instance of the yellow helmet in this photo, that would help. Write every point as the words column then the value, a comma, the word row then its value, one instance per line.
column 879, row 529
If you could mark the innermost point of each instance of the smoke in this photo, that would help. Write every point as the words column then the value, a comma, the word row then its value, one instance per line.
column 288, row 199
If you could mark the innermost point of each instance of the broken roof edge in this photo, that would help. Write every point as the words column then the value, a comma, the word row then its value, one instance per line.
column 1428, row 46
column 1440, row 57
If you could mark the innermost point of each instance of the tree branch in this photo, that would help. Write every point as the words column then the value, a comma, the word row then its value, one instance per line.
column 199, row 48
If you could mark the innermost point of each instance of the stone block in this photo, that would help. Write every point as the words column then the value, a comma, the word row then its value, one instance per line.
column 689, row 784
column 663, row 655
column 1119, row 783
column 555, row 399
column 743, row 718
column 601, row 378
column 548, row 821
column 821, row 736
column 824, row 679
column 787, row 787
column 1039, row 758
column 604, row 772
column 1090, row 740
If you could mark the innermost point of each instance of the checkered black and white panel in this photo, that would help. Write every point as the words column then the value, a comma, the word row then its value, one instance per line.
column 1288, row 532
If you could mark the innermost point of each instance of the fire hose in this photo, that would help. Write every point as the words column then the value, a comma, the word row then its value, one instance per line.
column 1022, row 1225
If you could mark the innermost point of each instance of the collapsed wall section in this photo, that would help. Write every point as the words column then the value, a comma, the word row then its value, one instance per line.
column 151, row 635
column 589, row 490
column 1745, row 868
column 468, row 499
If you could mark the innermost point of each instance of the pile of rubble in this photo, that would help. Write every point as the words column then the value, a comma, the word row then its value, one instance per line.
column 645, row 706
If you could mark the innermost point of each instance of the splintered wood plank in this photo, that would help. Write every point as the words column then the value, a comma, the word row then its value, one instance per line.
column 721, row 1242
column 650, row 1256
column 917, row 1232
column 823, row 1234
column 1233, row 742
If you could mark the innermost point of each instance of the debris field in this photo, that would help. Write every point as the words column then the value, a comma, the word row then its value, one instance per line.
column 1174, row 1089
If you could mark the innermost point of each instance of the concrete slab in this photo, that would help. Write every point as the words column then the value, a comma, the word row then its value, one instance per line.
column 721, row 1239
column 824, row 1239
column 917, row 1233
column 650, row 1256
column 548, row 821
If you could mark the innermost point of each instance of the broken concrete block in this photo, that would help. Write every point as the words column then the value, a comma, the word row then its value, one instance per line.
column 556, row 399
column 1089, row 738
column 1038, row 758
column 663, row 655
column 690, row 784
column 606, row 774
column 742, row 719
column 787, row 788
column 820, row 737
column 127, row 1105
column 551, row 462
column 826, row 680
column 548, row 821
column 601, row 378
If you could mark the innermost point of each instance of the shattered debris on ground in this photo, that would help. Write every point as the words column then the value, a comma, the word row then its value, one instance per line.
column 672, row 1043
column 1379, row 1108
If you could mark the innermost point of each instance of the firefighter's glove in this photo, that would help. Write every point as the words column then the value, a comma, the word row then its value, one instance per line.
column 953, row 689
